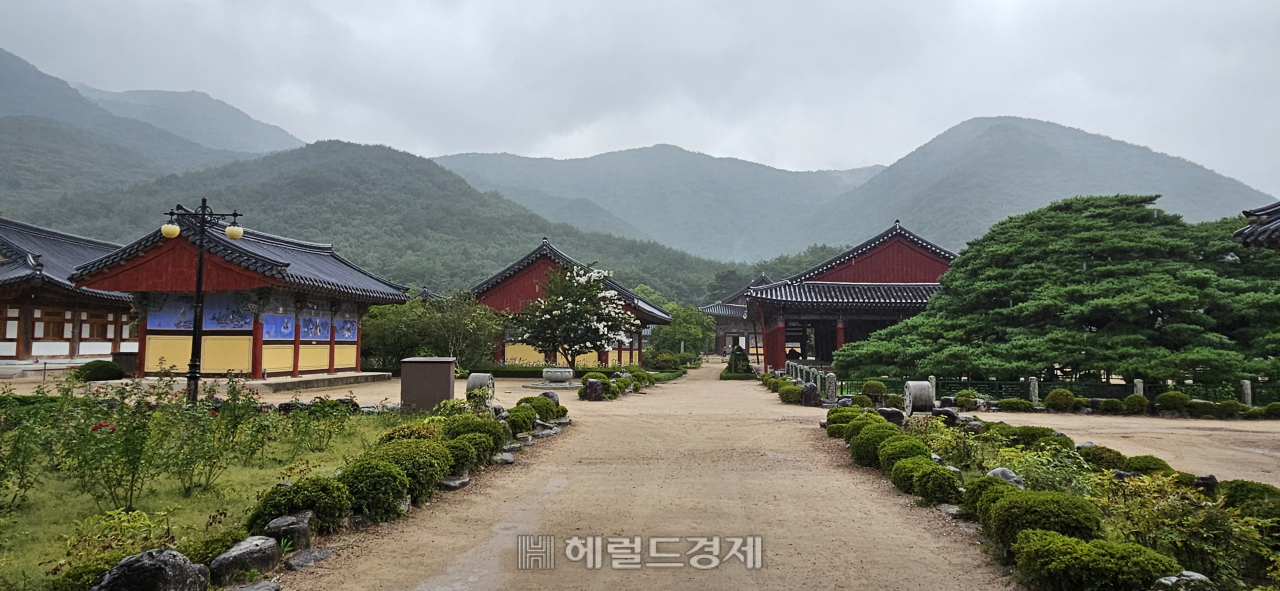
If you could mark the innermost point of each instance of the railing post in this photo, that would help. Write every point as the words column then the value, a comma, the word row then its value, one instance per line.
column 1246, row 392
column 1033, row 389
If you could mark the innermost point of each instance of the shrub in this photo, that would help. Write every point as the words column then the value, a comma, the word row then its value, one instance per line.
column 1050, row 561
column 789, row 394
column 897, row 448
column 1057, row 440
column 1201, row 408
column 547, row 409
column 462, row 425
column 1229, row 409
column 521, row 418
column 416, row 430
column 903, row 475
column 1173, row 401
column 1028, row 435
column 328, row 498
column 865, row 447
column 837, row 430
column 1060, row 400
column 1102, row 457
column 377, row 488
column 1237, row 493
column 1112, row 406
column 856, row 426
column 861, row 401
column 595, row 375
column 98, row 371
column 462, row 454
column 1273, row 410
column 1047, row 510
column 1255, row 414
column 874, row 389
column 203, row 551
column 664, row 361
column 1016, row 405
column 989, row 497
column 973, row 491
column 623, row 384
column 840, row 415
column 967, row 399
column 937, row 485
column 1147, row 465
column 1079, row 403
column 424, row 463
column 1135, row 404
column 894, row 401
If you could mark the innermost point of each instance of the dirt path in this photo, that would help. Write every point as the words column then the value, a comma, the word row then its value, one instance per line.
column 697, row 457
column 1226, row 449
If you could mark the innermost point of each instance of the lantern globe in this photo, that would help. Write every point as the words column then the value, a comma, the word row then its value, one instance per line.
column 234, row 232
column 170, row 230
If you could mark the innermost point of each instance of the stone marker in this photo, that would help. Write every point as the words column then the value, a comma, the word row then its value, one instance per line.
column 593, row 390
column 254, row 553
column 809, row 395
column 295, row 528
column 543, row 424
column 1007, row 475
column 305, row 558
column 153, row 570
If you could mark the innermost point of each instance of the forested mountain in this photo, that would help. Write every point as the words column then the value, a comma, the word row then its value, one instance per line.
column 952, row 189
column 195, row 116
column 724, row 208
column 580, row 213
column 399, row 215
column 53, row 139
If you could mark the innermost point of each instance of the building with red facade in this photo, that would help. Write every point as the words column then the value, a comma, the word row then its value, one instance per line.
column 734, row 327
column 523, row 281
column 867, row 288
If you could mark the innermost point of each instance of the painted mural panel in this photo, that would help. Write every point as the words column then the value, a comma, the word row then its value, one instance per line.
column 221, row 312
column 345, row 330
column 277, row 327
column 314, row 329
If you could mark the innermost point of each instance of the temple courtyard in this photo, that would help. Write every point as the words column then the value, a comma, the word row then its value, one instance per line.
column 700, row 457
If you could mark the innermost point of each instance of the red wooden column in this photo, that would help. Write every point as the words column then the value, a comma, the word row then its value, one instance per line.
column 256, row 372
column 333, row 342
column 603, row 358
column 775, row 345
column 359, row 353
column 142, row 345
column 839, row 333
column 639, row 348
column 500, row 348
column 297, row 342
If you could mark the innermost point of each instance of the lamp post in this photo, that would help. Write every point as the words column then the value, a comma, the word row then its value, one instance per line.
column 203, row 217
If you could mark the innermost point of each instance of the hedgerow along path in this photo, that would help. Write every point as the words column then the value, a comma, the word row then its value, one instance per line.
column 694, row 457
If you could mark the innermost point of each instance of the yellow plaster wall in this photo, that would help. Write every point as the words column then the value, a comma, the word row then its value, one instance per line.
column 175, row 350
column 522, row 353
column 313, row 357
column 277, row 358
column 344, row 357
column 219, row 354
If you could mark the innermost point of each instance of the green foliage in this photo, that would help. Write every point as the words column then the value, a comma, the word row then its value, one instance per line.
column 1016, row 405
column 204, row 550
column 856, row 425
column 1254, row 414
column 1273, row 410
column 1135, row 404
column 577, row 314
column 1229, row 409
column 1102, row 457
column 974, row 490
column 109, row 448
column 391, row 333
column 460, row 327
column 874, row 389
column 415, row 430
column 894, row 401
column 98, row 371
column 314, row 428
column 479, row 441
column 739, row 362
column 837, row 430
column 937, row 485
column 988, row 499
column 1028, row 435
column 1050, row 467
column 546, row 409
column 690, row 326
column 464, row 455
column 424, row 463
column 789, row 394
column 25, row 435
column 196, row 443
column 865, row 447
column 898, row 448
column 861, row 401
column 1060, row 441
column 1173, row 401
column 377, row 488
column 1060, row 400
column 521, row 418
column 903, row 475
column 328, row 498
column 843, row 414
column 662, row 361
column 1112, row 406
column 1051, row 561
column 1201, row 408
column 100, row 541
column 463, row 424
column 1047, row 510
column 1147, row 465
column 1238, row 493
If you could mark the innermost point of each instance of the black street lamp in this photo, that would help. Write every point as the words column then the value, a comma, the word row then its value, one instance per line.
column 203, row 217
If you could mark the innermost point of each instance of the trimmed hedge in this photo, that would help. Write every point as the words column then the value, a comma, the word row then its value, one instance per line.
column 1201, row 408
column 328, row 498
column 1047, row 510
column 1028, row 435
column 840, row 415
column 462, row 454
column 865, row 449
column 1050, row 561
column 898, row 448
column 424, row 463
column 1173, row 401
column 989, row 497
column 1060, row 400
column 463, row 424
column 416, row 430
column 1135, row 404
column 98, row 370
column 725, row 375
column 903, row 475
column 1112, row 406
column 894, row 401
column 861, row 401
column 837, row 430
column 1273, row 410
column 1237, row 493
column 546, row 408
column 974, row 490
column 478, row 441
column 1147, row 465
column 1015, row 405
column 1102, row 457
column 377, row 488
column 789, row 394
column 521, row 418
column 937, row 484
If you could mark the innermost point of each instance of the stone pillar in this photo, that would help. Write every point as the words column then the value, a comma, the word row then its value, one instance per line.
column 832, row 386
column 1246, row 392
column 1033, row 388
column 1138, row 387
column 933, row 384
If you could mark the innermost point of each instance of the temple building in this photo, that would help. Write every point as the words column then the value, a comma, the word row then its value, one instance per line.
column 522, row 281
column 734, row 327
column 46, row 316
column 273, row 307
column 869, row 287
column 1263, row 230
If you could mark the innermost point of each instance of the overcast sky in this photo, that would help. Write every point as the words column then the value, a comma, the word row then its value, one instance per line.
column 797, row 85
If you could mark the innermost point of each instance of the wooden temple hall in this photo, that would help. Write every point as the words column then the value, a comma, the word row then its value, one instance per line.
column 273, row 307
column 871, row 286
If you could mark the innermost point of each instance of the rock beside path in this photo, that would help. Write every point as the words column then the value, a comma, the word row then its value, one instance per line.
column 258, row 586
column 454, row 483
column 306, row 558
column 294, row 528
column 153, row 570
column 1007, row 475
column 258, row 553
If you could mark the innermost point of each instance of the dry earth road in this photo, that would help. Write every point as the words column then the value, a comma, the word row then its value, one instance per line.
column 697, row 457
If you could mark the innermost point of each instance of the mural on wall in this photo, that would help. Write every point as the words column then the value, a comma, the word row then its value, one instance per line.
column 314, row 329
column 345, row 329
column 277, row 327
column 221, row 312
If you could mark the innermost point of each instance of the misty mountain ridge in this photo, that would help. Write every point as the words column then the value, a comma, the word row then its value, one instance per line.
column 702, row 204
column 195, row 116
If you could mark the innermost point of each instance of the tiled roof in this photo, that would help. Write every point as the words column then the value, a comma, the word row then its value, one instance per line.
column 861, row 249
column 1264, row 227
column 305, row 266
column 34, row 253
column 762, row 279
column 886, row 295
column 650, row 313
column 737, row 311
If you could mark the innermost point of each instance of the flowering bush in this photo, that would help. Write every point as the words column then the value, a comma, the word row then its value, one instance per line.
column 578, row 314
column 196, row 443
column 108, row 446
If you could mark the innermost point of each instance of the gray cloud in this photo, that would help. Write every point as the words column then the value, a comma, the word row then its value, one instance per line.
column 798, row 85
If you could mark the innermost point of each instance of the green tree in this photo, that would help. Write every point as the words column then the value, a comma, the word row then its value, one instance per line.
column 577, row 315
column 460, row 327
column 1086, row 287
column 725, row 283
column 391, row 333
column 651, row 295
column 689, row 326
